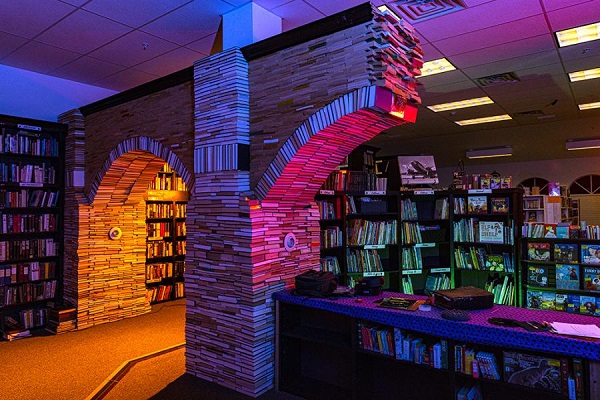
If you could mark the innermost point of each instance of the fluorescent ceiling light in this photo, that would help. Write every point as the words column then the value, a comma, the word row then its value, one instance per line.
column 589, row 106
column 585, row 74
column 436, row 67
column 582, row 144
column 580, row 34
column 385, row 9
column 479, row 101
column 505, row 151
column 484, row 120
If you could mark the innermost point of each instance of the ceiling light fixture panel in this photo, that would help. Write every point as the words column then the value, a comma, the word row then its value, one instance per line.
column 436, row 67
column 479, row 101
column 504, row 151
column 579, row 34
column 582, row 144
column 483, row 120
column 589, row 106
column 584, row 75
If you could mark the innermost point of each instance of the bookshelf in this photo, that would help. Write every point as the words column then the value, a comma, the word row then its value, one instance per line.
column 486, row 232
column 166, row 202
column 561, row 274
column 31, row 223
column 425, row 227
column 344, row 350
column 542, row 208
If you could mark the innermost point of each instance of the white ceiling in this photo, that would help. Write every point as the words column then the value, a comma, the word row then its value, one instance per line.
column 101, row 42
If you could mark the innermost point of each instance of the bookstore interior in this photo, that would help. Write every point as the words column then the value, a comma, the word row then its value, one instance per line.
column 486, row 286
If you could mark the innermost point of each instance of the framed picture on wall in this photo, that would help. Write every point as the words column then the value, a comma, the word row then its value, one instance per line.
column 417, row 170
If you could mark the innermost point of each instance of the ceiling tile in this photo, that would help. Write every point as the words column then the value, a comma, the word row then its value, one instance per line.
column 87, row 70
column 76, row 3
column 83, row 32
column 28, row 18
column 582, row 64
column 9, row 43
column 580, row 51
column 129, row 49
column 430, row 52
column 432, row 92
column 296, row 13
column 204, row 45
column 126, row 79
column 512, row 64
column 552, row 5
column 170, row 62
column 330, row 7
column 477, row 18
column 190, row 22
column 526, row 47
column 133, row 13
column 493, row 36
column 39, row 57
column 579, row 14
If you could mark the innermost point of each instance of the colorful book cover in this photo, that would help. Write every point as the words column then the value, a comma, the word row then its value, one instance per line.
column 477, row 204
column 587, row 305
column 495, row 182
column 565, row 253
column 500, row 205
column 561, row 302
column 491, row 232
column 506, row 182
column 591, row 278
column 534, row 299
column 567, row 276
column 538, row 251
column 537, row 276
column 550, row 230
column 573, row 303
column 590, row 253
column 548, row 300
column 494, row 262
column 539, row 372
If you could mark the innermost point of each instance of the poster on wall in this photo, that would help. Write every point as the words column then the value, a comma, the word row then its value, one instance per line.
column 417, row 170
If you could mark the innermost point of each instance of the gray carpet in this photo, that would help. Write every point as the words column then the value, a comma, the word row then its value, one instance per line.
column 74, row 364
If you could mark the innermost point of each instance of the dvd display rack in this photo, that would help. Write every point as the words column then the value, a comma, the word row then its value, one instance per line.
column 166, row 203
column 31, row 223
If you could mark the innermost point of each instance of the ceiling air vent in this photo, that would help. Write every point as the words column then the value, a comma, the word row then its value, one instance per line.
column 498, row 79
column 530, row 113
column 421, row 10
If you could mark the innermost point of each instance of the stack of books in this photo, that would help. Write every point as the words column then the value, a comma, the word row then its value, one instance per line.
column 61, row 319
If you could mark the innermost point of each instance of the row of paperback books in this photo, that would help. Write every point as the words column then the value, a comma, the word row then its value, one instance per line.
column 158, row 230
column 165, row 210
column 26, row 272
column 480, row 205
column 27, row 223
column 571, row 303
column 474, row 363
column 14, row 141
column 330, row 263
column 360, row 261
column 27, row 292
column 407, row 286
column 331, row 237
column 28, row 198
column 156, row 272
column 363, row 232
column 471, row 257
column 476, row 231
column 344, row 180
column 25, row 249
column 567, row 276
column 503, row 289
column 27, row 173
column 329, row 209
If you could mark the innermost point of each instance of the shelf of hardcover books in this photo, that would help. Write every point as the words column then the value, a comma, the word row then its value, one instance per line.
column 486, row 240
column 386, row 352
column 166, row 202
column 426, row 244
column 562, row 272
column 372, row 237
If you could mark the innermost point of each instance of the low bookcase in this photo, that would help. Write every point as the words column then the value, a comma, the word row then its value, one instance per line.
column 349, row 349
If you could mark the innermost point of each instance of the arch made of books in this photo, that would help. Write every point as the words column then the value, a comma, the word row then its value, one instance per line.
column 129, row 168
column 320, row 143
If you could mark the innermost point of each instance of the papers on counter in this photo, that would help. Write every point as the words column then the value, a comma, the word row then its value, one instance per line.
column 590, row 331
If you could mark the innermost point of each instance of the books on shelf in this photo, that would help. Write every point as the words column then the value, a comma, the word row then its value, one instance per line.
column 499, row 205
column 591, row 278
column 537, row 275
column 491, row 232
column 567, row 276
column 539, row 372
column 565, row 252
column 590, row 253
column 538, row 251
column 477, row 205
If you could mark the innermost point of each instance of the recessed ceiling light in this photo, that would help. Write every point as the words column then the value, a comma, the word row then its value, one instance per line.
column 582, row 144
column 580, row 34
column 479, row 101
column 484, row 120
column 585, row 74
column 589, row 106
column 436, row 67
column 385, row 9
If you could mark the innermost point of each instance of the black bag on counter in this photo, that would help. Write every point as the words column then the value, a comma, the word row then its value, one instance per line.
column 313, row 283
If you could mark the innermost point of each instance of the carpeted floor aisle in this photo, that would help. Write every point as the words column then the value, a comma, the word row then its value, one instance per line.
column 75, row 364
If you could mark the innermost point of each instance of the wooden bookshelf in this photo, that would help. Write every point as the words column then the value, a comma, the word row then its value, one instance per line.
column 166, row 202
column 31, row 223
